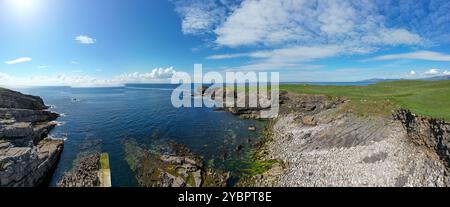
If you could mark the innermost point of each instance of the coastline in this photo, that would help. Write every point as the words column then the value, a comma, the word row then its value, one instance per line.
column 318, row 142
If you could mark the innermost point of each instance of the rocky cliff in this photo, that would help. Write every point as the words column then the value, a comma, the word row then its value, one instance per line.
column 317, row 141
column 27, row 154
column 429, row 132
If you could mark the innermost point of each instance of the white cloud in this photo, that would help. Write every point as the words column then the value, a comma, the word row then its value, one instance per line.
column 155, row 74
column 227, row 56
column 84, row 39
column 162, row 75
column 18, row 60
column 412, row 72
column 419, row 55
column 446, row 72
column 74, row 62
column 289, row 54
column 432, row 72
column 290, row 32
column 280, row 31
column 285, row 58
column 267, row 66
column 44, row 66
column 201, row 16
column 4, row 77
column 268, row 22
column 393, row 37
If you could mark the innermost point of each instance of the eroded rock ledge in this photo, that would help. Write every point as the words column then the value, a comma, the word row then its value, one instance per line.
column 27, row 154
column 84, row 173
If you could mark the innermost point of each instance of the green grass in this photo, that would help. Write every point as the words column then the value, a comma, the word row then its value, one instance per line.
column 430, row 98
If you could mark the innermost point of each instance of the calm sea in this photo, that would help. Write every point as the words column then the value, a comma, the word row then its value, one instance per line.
column 104, row 117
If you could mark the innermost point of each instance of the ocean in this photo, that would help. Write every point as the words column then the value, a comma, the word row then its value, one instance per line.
column 102, row 118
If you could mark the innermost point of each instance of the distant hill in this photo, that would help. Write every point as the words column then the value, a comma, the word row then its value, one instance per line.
column 435, row 78
column 377, row 80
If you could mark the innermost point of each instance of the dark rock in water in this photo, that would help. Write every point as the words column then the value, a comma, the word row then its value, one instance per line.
column 177, row 166
column 224, row 155
column 27, row 155
column 91, row 145
column 84, row 174
column 75, row 100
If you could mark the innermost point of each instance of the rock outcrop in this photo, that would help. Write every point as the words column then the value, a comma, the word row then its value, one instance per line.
column 27, row 154
column 173, row 166
column 431, row 133
column 238, row 103
column 318, row 143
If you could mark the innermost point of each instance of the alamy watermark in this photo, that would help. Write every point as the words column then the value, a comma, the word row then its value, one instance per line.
column 249, row 91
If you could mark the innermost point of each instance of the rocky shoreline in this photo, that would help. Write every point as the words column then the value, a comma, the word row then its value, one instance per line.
column 171, row 165
column 27, row 154
column 84, row 174
column 319, row 142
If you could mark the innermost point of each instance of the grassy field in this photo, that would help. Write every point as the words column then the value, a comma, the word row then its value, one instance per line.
column 431, row 98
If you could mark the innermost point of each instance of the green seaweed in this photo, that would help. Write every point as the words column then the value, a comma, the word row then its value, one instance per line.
column 104, row 161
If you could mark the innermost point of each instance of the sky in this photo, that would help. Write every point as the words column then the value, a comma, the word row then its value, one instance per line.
column 101, row 43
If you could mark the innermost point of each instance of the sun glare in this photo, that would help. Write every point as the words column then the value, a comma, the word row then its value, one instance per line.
column 23, row 5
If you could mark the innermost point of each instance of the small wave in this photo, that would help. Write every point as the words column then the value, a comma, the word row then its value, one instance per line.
column 52, row 137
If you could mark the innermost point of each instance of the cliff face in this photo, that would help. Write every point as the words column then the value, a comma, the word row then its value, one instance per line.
column 27, row 155
column 429, row 132
column 320, row 143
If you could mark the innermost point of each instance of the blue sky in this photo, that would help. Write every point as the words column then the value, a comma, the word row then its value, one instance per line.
column 97, row 42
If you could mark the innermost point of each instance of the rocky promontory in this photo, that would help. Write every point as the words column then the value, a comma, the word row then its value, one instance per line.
column 27, row 154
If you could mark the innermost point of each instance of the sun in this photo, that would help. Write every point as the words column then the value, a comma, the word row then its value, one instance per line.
column 23, row 5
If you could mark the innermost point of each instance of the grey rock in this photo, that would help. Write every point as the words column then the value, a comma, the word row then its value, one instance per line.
column 27, row 156
column 343, row 149
column 28, row 166
column 84, row 173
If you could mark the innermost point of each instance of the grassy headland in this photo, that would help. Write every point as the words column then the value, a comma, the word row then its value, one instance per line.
column 430, row 98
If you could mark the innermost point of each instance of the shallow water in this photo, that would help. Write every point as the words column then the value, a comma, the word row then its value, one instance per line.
column 104, row 117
